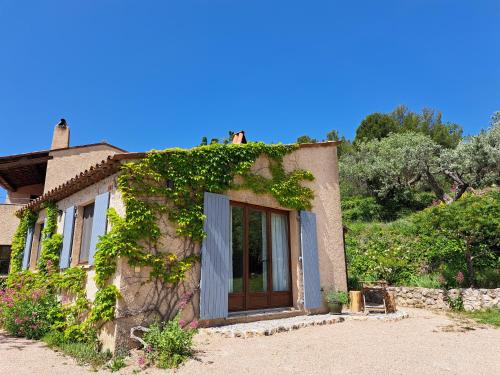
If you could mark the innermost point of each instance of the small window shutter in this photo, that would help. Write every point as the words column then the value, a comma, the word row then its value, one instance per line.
column 69, row 221
column 99, row 222
column 214, row 286
column 27, row 248
column 310, row 266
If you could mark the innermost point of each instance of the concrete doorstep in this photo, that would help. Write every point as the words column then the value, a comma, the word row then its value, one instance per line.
column 271, row 327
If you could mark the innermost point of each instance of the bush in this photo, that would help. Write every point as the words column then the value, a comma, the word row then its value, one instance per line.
column 488, row 278
column 456, row 303
column 27, row 313
column 435, row 241
column 361, row 209
column 170, row 343
column 336, row 297
column 425, row 281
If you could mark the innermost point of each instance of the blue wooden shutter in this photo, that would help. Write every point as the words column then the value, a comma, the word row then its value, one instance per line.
column 69, row 221
column 99, row 222
column 27, row 248
column 214, row 285
column 310, row 266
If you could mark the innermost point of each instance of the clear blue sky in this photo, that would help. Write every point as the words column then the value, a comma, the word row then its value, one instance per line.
column 156, row 74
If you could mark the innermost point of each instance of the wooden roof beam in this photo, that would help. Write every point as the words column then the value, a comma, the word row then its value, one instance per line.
column 24, row 162
column 7, row 184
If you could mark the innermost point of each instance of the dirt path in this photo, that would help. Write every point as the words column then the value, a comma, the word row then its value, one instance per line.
column 426, row 343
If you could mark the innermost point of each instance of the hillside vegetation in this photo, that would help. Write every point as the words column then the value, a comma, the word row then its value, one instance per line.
column 420, row 202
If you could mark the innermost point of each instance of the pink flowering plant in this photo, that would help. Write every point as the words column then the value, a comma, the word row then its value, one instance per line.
column 170, row 343
column 27, row 313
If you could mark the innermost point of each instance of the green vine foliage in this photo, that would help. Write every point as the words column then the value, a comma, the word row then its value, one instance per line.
column 51, row 241
column 27, row 220
column 172, row 183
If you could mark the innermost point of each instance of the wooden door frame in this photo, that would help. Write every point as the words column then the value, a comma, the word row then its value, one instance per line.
column 273, row 298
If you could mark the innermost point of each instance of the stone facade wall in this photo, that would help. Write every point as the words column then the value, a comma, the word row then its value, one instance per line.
column 437, row 299
column 66, row 163
column 8, row 222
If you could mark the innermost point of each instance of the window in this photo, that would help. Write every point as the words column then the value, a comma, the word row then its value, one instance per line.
column 88, row 217
column 4, row 259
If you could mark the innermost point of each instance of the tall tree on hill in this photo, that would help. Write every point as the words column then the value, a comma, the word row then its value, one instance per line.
column 401, row 120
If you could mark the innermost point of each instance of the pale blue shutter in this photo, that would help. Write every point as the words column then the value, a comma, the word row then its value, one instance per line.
column 310, row 266
column 69, row 221
column 214, row 285
column 99, row 222
column 27, row 248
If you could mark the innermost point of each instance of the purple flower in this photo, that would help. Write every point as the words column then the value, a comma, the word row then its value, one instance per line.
column 141, row 361
column 182, row 323
column 459, row 278
column 149, row 349
column 193, row 324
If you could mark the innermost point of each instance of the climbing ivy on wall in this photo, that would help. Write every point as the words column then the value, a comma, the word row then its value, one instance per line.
column 172, row 183
column 27, row 220
column 51, row 241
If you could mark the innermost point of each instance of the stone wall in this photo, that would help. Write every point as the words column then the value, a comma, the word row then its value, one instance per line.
column 437, row 299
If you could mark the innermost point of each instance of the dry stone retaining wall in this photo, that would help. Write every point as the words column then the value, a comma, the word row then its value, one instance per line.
column 437, row 299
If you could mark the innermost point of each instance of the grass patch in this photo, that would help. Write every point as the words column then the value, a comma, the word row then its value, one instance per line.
column 490, row 316
column 83, row 353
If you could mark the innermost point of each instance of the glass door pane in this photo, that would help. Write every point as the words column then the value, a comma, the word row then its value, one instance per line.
column 257, row 251
column 236, row 249
column 279, row 234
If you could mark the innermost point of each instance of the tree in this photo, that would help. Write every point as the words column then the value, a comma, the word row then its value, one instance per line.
column 306, row 139
column 375, row 126
column 405, row 161
column 475, row 162
column 204, row 141
column 395, row 165
column 332, row 135
column 401, row 120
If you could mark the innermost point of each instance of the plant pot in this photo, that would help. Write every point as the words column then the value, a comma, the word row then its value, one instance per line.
column 335, row 307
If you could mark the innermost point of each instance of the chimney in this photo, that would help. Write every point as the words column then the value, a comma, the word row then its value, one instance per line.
column 61, row 135
column 239, row 138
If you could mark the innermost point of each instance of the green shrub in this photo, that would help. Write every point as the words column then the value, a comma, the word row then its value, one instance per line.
column 488, row 278
column 170, row 343
column 425, row 281
column 117, row 363
column 336, row 297
column 437, row 241
column 360, row 209
column 456, row 303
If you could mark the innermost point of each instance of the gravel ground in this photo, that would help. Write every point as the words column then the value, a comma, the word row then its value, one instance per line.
column 426, row 343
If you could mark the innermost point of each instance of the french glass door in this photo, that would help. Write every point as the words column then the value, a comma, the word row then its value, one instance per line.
column 259, row 272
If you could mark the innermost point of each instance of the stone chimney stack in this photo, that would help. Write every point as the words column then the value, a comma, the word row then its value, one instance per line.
column 61, row 135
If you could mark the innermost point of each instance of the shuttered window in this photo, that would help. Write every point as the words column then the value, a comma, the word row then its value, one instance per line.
column 214, row 285
column 68, row 233
column 27, row 248
column 310, row 265
column 40, row 239
column 88, row 218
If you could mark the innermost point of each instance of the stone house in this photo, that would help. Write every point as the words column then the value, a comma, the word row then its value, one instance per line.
column 28, row 176
column 259, row 260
